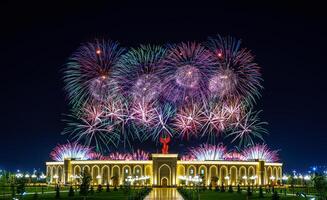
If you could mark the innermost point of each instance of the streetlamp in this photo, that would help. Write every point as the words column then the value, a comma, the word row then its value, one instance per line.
column 244, row 179
column 227, row 178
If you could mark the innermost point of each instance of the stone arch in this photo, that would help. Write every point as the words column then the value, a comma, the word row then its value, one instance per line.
column 242, row 175
column 137, row 170
column 275, row 172
column 251, row 173
column 77, row 170
column 269, row 173
column 96, row 177
column 180, row 172
column 233, row 176
column 105, row 174
column 53, row 173
column 191, row 170
column 165, row 172
column 213, row 172
column 115, row 175
column 223, row 173
column 126, row 171
column 203, row 173
column 280, row 172
column 148, row 172
column 49, row 168
column 86, row 169
column 60, row 174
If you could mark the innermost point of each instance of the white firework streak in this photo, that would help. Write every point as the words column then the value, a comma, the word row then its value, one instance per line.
column 248, row 128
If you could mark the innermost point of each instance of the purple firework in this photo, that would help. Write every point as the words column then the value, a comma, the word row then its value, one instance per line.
column 188, row 67
column 237, row 74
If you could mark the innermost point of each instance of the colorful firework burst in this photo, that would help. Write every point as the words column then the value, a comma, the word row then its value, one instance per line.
column 88, row 75
column 137, row 73
column 237, row 75
column 70, row 150
column 187, row 69
column 187, row 89
column 260, row 152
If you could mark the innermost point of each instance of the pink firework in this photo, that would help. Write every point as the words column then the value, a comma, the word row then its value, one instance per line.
column 71, row 151
column 96, row 156
column 260, row 152
column 233, row 155
column 188, row 120
column 187, row 158
column 93, row 113
column 117, row 156
column 208, row 152
column 140, row 155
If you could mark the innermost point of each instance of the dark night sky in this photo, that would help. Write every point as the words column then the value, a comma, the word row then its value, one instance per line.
column 289, row 42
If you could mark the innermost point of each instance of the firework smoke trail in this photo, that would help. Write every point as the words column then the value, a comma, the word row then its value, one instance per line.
column 237, row 75
column 208, row 152
column 248, row 128
column 188, row 120
column 261, row 152
column 88, row 75
column 70, row 150
column 187, row 69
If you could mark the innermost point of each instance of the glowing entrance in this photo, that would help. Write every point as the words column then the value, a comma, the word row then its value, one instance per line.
column 164, row 182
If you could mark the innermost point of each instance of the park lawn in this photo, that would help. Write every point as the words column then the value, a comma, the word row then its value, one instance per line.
column 211, row 195
column 112, row 195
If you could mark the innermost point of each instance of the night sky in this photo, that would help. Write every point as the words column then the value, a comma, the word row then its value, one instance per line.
column 289, row 42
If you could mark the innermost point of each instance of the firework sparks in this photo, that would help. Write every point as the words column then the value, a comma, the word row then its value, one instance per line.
column 70, row 150
column 88, row 73
column 248, row 128
column 188, row 120
column 260, row 152
column 237, row 75
column 186, row 72
column 208, row 152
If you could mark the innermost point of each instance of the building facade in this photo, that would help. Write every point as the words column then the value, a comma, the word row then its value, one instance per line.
column 166, row 170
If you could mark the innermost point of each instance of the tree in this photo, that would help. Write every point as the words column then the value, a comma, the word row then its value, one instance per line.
column 320, row 184
column 71, row 192
column 239, row 188
column 249, row 192
column 92, row 190
column 230, row 189
column 57, row 192
column 275, row 196
column 85, row 185
column 108, row 188
column 260, row 192
column 222, row 187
